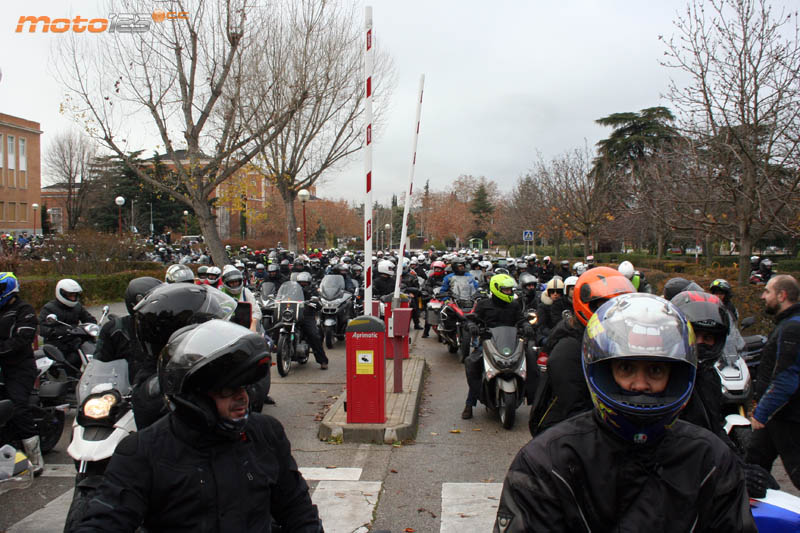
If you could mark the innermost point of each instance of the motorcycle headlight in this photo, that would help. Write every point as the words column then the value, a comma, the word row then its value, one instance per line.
column 98, row 407
column 287, row 315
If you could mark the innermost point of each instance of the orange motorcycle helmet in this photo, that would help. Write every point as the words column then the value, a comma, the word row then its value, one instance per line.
column 595, row 287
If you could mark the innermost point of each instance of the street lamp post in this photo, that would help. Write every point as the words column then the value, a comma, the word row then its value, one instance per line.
column 388, row 227
column 304, row 195
column 185, row 222
column 152, row 231
column 696, row 238
column 35, row 209
column 120, row 201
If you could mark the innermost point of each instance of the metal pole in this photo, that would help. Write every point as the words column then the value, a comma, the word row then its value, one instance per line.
column 305, row 241
column 152, row 229
column 119, row 218
column 368, row 67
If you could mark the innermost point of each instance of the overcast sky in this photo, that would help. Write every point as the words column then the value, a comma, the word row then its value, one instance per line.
column 504, row 80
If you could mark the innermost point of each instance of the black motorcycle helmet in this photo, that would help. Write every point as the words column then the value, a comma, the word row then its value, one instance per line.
column 721, row 288
column 284, row 266
column 706, row 313
column 342, row 269
column 528, row 283
column 208, row 357
column 169, row 307
column 673, row 286
column 137, row 289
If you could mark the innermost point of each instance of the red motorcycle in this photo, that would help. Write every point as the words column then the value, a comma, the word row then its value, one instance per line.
column 452, row 329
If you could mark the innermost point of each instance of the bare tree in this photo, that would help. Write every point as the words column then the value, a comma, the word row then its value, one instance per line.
column 200, row 82
column 70, row 164
column 741, row 108
column 327, row 129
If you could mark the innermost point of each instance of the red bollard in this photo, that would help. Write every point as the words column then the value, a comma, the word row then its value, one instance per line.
column 390, row 347
column 398, row 337
column 366, row 381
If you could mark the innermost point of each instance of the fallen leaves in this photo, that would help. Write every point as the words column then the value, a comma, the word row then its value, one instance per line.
column 455, row 431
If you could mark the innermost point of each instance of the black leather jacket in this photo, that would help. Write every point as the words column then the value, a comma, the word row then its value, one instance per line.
column 578, row 476
column 71, row 315
column 17, row 331
column 172, row 477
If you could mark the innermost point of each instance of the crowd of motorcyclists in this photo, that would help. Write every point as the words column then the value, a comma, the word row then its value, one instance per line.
column 593, row 333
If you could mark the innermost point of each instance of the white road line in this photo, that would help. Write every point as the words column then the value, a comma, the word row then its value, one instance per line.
column 49, row 518
column 346, row 506
column 469, row 506
column 311, row 473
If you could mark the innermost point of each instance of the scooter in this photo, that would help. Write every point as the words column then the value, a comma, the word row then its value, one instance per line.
column 504, row 372
column 337, row 308
column 104, row 418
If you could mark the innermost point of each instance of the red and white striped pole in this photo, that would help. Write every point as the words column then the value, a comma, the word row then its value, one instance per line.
column 404, row 233
column 368, row 229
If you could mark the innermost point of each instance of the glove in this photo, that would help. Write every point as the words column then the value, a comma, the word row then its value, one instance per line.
column 758, row 481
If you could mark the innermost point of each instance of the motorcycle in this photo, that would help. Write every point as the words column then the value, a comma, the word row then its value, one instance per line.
column 504, row 372
column 290, row 305
column 82, row 337
column 337, row 308
column 452, row 330
column 753, row 345
column 266, row 300
column 104, row 418
column 433, row 308
column 15, row 469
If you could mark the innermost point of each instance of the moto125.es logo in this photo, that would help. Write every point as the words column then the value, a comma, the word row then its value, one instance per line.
column 115, row 23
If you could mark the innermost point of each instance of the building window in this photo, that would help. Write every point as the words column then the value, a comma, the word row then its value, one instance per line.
column 12, row 162
column 11, row 213
column 23, row 159
column 23, row 212
column 2, row 210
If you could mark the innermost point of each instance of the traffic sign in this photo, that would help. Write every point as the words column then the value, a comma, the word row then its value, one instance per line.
column 527, row 235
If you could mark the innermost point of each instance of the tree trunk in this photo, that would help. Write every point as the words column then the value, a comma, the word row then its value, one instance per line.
column 208, row 226
column 708, row 250
column 660, row 246
column 291, row 221
column 745, row 249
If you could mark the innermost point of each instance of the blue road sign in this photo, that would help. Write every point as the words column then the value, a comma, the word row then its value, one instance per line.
column 527, row 235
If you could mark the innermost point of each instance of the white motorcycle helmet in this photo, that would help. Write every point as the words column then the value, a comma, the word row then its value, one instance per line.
column 579, row 268
column 386, row 267
column 626, row 269
column 65, row 288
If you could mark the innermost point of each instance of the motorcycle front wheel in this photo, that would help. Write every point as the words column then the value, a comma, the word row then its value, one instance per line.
column 284, row 356
column 329, row 338
column 507, row 408
column 51, row 426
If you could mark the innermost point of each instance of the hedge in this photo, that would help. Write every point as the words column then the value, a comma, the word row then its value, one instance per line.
column 70, row 267
column 97, row 289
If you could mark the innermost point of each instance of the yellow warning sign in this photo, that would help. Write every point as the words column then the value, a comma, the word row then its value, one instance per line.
column 365, row 362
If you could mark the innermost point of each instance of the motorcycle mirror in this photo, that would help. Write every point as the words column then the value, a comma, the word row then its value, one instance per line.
column 105, row 309
column 749, row 321
column 51, row 318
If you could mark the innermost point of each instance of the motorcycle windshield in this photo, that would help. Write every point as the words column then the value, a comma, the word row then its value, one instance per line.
column 734, row 344
column 267, row 289
column 290, row 291
column 504, row 339
column 97, row 372
column 461, row 287
column 332, row 287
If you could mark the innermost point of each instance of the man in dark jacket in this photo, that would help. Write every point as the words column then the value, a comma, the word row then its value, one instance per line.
column 210, row 465
column 17, row 332
column 67, row 308
column 776, row 418
column 550, row 309
column 629, row 465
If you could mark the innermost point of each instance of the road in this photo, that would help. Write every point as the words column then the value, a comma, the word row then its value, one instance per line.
column 447, row 480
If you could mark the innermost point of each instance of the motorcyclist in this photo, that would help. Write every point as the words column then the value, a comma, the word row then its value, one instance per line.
column 179, row 274
column 17, row 333
column 274, row 275
column 459, row 269
column 722, row 290
column 589, row 262
column 164, row 310
column 533, row 268
column 569, row 289
column 578, row 268
column 765, row 269
column 550, row 309
column 548, row 270
column 636, row 278
column 501, row 309
column 674, row 286
column 344, row 270
column 530, row 292
column 213, row 275
column 260, row 274
column 412, row 286
column 563, row 392
column 233, row 286
column 435, row 279
column 628, row 464
column 564, row 270
column 117, row 338
column 285, row 268
column 210, row 464
column 308, row 324
column 68, row 309
column 384, row 281
column 202, row 275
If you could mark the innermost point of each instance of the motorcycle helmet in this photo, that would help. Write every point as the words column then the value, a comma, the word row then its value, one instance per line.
column 754, row 261
column 342, row 269
column 9, row 286
column 626, row 268
column 259, row 266
column 594, row 287
column 578, row 268
column 232, row 280
column 169, row 307
column 528, row 283
column 437, row 269
column 66, row 289
column 707, row 314
column 502, row 287
column 458, row 266
column 304, row 279
column 721, row 288
column 631, row 328
column 179, row 274
column 207, row 357
column 556, row 284
column 569, row 283
column 138, row 289
column 565, row 264
column 765, row 266
column 589, row 261
column 546, row 260
column 202, row 272
column 673, row 286
column 531, row 259
column 213, row 274
column 386, row 267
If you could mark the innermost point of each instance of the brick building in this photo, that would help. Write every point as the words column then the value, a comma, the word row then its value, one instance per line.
column 20, row 175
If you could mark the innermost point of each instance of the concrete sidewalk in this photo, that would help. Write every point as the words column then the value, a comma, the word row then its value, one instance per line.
column 402, row 410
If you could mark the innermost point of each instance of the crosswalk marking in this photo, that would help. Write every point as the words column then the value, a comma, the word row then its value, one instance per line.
column 311, row 473
column 346, row 506
column 469, row 506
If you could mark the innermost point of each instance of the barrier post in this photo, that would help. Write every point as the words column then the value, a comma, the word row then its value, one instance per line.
column 366, row 381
